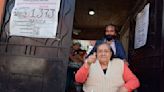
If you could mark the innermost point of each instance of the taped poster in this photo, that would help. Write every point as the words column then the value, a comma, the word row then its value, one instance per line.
column 141, row 29
column 34, row 18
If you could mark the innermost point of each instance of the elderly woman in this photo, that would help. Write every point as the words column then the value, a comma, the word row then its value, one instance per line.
column 103, row 73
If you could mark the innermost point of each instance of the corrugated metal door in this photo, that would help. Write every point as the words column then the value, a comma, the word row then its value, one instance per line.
column 36, row 65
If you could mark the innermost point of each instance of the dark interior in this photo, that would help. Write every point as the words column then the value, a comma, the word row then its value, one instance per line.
column 106, row 12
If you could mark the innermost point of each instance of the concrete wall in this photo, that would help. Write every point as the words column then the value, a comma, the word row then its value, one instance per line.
column 1, row 9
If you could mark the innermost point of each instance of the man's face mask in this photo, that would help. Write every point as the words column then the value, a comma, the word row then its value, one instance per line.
column 109, row 37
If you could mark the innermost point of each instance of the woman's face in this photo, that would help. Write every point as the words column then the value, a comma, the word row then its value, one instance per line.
column 103, row 53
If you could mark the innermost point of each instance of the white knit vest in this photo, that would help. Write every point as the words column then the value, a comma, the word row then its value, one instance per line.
column 97, row 81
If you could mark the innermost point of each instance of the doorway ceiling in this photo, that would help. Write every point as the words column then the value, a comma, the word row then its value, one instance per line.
column 106, row 12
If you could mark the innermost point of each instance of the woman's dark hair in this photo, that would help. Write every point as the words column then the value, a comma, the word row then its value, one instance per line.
column 112, row 56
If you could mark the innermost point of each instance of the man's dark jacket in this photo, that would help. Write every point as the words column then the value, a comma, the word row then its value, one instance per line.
column 120, row 52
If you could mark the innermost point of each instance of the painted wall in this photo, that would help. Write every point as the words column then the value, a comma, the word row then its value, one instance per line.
column 1, row 9
column 125, row 40
column 124, row 36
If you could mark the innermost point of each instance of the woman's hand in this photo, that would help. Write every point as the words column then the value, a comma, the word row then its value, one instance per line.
column 91, row 59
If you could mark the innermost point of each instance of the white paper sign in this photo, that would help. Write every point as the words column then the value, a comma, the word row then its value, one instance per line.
column 34, row 18
column 141, row 29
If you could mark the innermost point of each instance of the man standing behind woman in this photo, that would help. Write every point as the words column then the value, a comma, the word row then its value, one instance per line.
column 111, row 38
column 103, row 73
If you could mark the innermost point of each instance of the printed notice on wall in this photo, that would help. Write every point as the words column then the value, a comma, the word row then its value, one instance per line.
column 34, row 18
column 141, row 29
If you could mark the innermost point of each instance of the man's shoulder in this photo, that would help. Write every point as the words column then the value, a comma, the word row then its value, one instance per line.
column 100, row 40
column 117, row 42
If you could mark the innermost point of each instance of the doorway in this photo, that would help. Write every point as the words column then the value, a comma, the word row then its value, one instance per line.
column 123, row 14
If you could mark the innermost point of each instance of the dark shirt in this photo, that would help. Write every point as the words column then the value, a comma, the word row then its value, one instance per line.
column 104, row 70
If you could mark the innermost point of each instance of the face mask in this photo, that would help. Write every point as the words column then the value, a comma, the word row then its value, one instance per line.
column 109, row 37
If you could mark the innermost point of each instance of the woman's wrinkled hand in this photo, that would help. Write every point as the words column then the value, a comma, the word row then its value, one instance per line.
column 91, row 59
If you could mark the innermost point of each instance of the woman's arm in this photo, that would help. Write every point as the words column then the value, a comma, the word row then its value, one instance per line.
column 82, row 73
column 131, row 81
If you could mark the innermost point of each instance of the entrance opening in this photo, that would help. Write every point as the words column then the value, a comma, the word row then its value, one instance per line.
column 92, row 16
